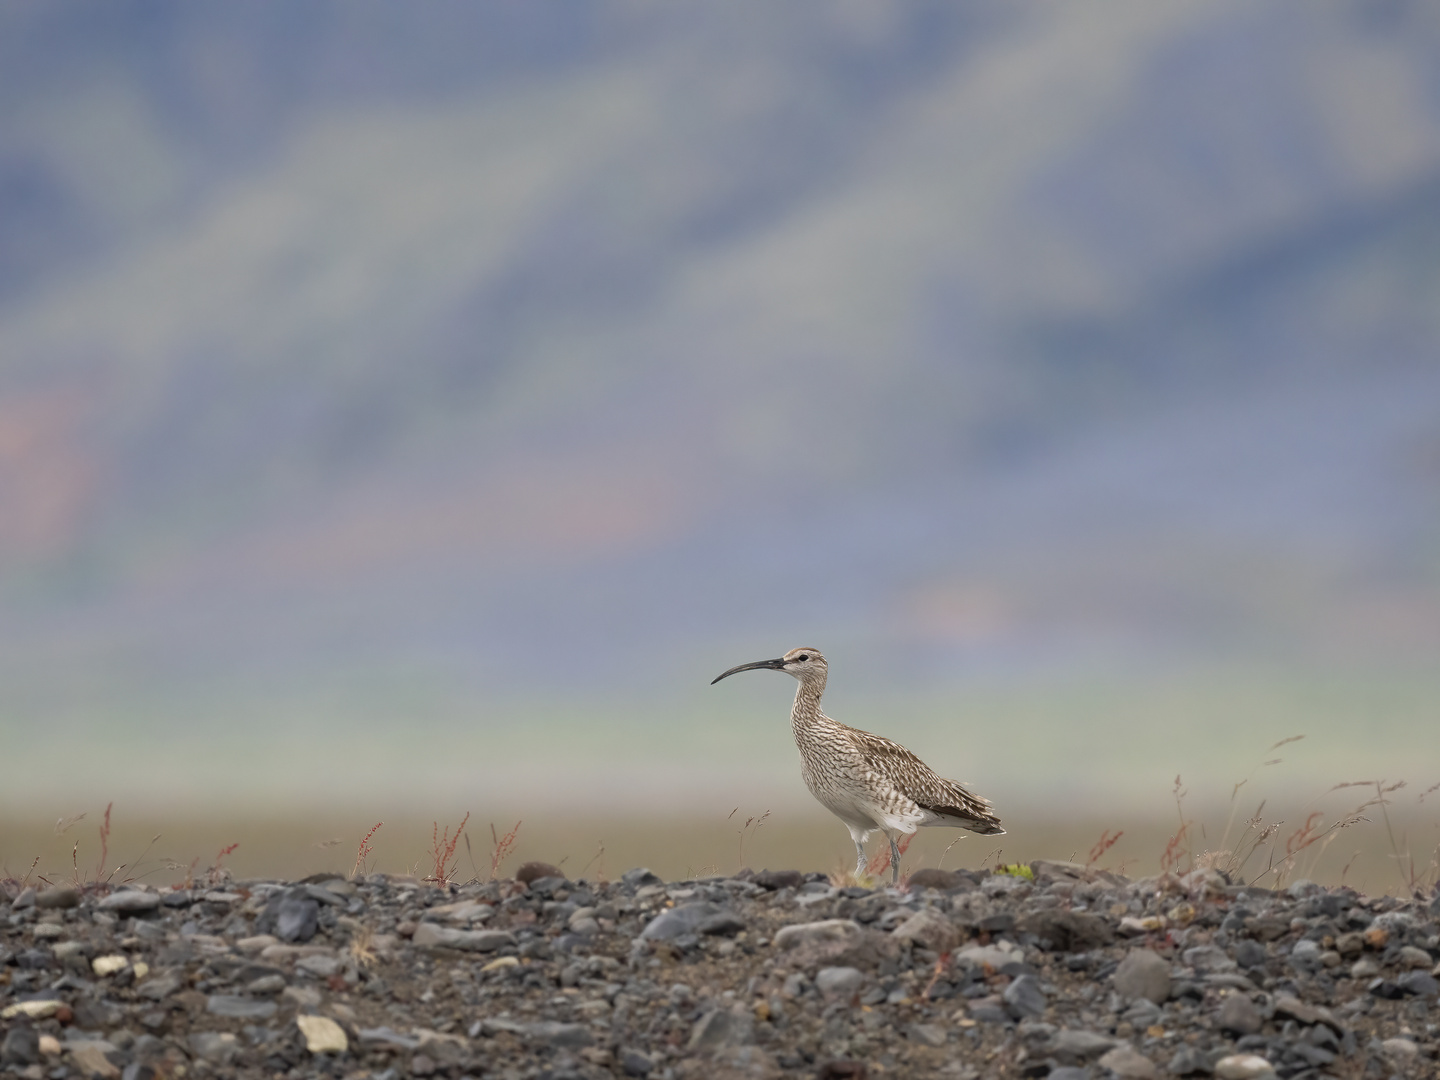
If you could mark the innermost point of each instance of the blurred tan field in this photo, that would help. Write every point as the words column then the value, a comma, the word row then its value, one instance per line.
column 293, row 845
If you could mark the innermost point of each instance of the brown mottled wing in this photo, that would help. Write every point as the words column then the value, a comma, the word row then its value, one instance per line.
column 919, row 782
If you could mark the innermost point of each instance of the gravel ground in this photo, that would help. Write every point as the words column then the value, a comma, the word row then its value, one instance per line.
column 1073, row 974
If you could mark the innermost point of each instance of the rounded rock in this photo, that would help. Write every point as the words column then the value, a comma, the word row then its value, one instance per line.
column 839, row 981
column 1143, row 974
column 322, row 1035
column 1244, row 1067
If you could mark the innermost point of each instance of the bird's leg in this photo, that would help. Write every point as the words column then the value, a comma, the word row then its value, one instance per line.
column 859, row 858
column 894, row 860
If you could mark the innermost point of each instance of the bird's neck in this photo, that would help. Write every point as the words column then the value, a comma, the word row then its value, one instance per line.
column 805, row 714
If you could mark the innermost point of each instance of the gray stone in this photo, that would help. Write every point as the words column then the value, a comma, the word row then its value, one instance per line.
column 1400, row 1050
column 58, row 896
column 983, row 956
column 1208, row 958
column 1249, row 954
column 239, row 1008
column 1364, row 968
column 130, row 902
column 433, row 936
column 1419, row 983
column 1244, row 1067
column 21, row 1046
column 779, row 879
column 1024, row 999
column 1143, row 1013
column 928, row 928
column 1188, row 1061
column 1145, row 974
column 699, row 918
column 1305, row 956
column 385, row 1036
column 88, row 1058
column 927, row 1034
column 555, row 1033
column 296, row 918
column 322, row 894
column 26, row 899
column 930, row 877
column 988, row 1012
column 1295, row 1009
column 722, row 1028
column 827, row 930
column 159, row 987
column 839, row 981
column 639, row 878
column 1240, row 1015
column 322, row 967
column 266, row 984
column 218, row 1048
column 635, row 1062
column 1066, row 931
column 1072, row 1047
column 1128, row 1063
column 1068, row 1072
column 1410, row 956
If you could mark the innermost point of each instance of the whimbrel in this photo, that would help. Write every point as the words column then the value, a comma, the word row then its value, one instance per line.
column 867, row 781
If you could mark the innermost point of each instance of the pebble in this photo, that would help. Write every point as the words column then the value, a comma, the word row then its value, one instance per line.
column 720, row 1028
column 434, row 936
column 58, row 896
column 1024, row 998
column 1071, row 1046
column 109, row 965
column 1239, row 1015
column 983, row 956
column 1413, row 957
column 636, row 1063
column 297, row 918
column 929, row 928
column 239, row 1008
column 1143, row 974
column 1364, row 968
column 218, row 1048
column 1401, row 1050
column 21, row 1046
column 91, row 1062
column 35, row 1009
column 534, row 871
column 322, row 1035
column 1128, row 1063
column 1208, row 958
column 130, row 902
column 792, row 936
column 931, row 878
column 839, row 981
column 1419, row 983
column 320, row 966
column 1244, row 1067
column 928, row 1034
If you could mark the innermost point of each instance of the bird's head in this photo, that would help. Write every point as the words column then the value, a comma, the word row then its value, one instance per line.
column 803, row 663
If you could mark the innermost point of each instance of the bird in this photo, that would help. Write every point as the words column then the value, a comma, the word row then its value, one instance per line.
column 869, row 782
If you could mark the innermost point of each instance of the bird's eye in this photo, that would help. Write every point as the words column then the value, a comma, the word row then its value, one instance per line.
column 801, row 658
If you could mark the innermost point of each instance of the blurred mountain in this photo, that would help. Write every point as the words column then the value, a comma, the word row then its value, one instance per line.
column 607, row 344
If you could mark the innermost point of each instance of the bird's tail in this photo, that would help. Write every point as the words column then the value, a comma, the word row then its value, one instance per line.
column 970, row 812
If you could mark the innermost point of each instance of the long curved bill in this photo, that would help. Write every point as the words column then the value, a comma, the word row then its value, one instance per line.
column 774, row 665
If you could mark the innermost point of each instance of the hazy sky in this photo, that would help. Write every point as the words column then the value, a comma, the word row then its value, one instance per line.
column 484, row 370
